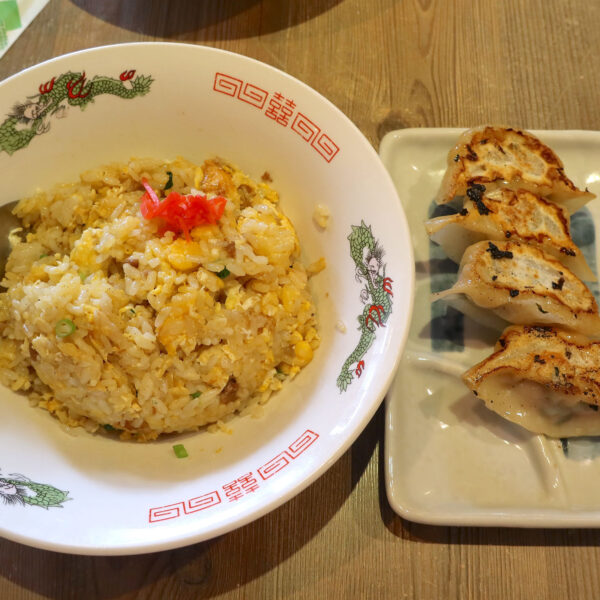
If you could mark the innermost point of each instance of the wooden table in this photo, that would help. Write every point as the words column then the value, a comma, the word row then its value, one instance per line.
column 387, row 64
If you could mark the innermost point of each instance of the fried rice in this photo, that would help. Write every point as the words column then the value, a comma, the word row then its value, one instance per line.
column 108, row 321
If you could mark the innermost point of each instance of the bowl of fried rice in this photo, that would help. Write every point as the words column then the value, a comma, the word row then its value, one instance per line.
column 206, row 291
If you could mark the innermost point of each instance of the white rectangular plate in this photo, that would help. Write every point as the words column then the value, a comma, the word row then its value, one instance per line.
column 449, row 460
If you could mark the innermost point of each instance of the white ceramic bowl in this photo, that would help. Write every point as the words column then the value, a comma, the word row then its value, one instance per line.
column 126, row 498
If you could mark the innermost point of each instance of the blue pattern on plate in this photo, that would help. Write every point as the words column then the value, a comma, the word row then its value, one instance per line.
column 447, row 324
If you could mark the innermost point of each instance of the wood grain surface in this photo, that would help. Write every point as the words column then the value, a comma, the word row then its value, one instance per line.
column 387, row 64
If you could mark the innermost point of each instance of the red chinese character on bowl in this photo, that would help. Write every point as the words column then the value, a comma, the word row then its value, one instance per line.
column 280, row 109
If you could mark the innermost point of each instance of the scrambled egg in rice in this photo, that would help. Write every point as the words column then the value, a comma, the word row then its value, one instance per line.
column 110, row 321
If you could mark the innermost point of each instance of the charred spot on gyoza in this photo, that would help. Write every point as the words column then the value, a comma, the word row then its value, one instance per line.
column 544, row 332
column 496, row 253
column 568, row 251
column 539, row 360
column 471, row 155
column 558, row 285
column 475, row 193
column 513, row 293
column 464, row 212
column 549, row 156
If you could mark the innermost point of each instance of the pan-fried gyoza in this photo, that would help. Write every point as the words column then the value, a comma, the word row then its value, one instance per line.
column 545, row 379
column 522, row 285
column 503, row 214
column 498, row 156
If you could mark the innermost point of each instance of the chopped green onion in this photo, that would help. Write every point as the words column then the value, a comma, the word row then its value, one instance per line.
column 110, row 427
column 169, row 183
column 196, row 394
column 64, row 328
column 82, row 276
column 224, row 273
column 180, row 451
column 132, row 311
column 43, row 256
